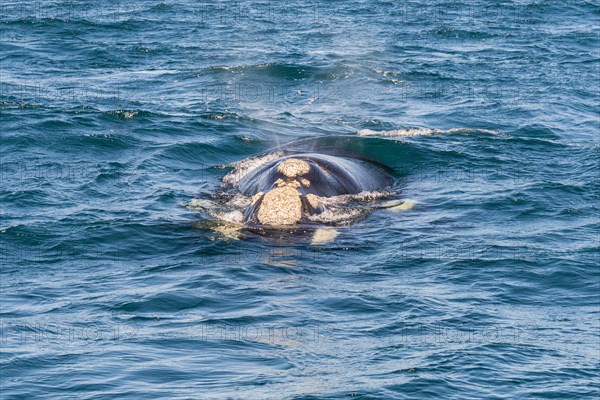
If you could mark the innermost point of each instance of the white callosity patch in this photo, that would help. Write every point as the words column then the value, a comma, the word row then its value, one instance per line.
column 280, row 206
column 422, row 132
column 292, row 168
column 293, row 183
column 244, row 167
column 313, row 200
column 256, row 197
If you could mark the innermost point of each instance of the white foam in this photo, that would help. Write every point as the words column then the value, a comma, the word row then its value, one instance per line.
column 239, row 200
column 124, row 114
column 422, row 132
column 335, row 215
column 405, row 206
column 234, row 216
column 199, row 204
column 323, row 236
column 361, row 197
column 219, row 212
column 226, row 231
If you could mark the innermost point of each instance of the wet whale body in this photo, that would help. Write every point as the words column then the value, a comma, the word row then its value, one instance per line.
column 301, row 189
column 292, row 188
column 328, row 176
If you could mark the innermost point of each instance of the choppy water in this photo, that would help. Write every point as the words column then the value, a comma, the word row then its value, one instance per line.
column 113, row 115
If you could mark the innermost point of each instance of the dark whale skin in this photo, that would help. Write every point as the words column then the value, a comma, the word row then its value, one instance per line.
column 328, row 176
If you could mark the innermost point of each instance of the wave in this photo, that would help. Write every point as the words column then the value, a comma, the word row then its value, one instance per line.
column 423, row 132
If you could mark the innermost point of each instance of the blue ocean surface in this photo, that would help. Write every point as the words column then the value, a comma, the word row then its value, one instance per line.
column 114, row 115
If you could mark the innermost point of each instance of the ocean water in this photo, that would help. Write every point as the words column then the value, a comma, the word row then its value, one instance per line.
column 116, row 114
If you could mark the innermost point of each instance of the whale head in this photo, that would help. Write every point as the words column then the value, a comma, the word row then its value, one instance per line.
column 285, row 204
